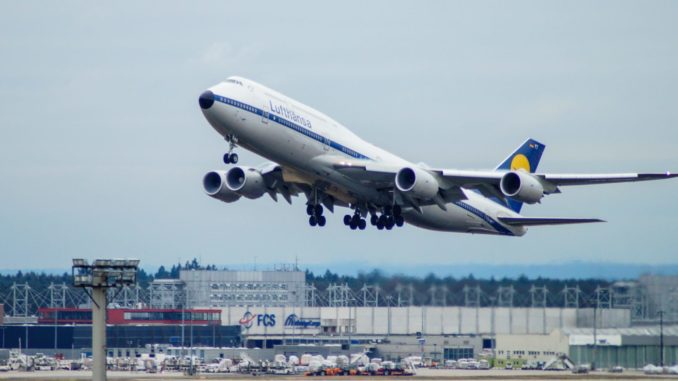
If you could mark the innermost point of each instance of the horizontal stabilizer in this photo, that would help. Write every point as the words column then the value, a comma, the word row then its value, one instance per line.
column 535, row 221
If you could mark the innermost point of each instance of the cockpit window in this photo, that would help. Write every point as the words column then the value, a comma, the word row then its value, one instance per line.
column 230, row 80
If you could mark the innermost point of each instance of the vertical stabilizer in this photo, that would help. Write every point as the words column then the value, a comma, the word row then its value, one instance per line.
column 526, row 157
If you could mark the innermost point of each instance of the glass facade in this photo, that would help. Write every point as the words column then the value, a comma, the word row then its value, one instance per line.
column 129, row 316
column 171, row 315
column 458, row 353
column 119, row 336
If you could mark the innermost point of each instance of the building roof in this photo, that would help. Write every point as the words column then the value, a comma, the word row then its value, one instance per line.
column 650, row 330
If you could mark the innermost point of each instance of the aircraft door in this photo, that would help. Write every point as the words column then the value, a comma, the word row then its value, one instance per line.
column 265, row 113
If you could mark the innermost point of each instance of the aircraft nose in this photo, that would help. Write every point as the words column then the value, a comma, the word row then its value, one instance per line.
column 206, row 100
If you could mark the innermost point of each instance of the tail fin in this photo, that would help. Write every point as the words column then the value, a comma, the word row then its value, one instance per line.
column 526, row 157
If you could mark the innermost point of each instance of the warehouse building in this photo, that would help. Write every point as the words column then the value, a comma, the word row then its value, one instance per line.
column 420, row 320
column 625, row 347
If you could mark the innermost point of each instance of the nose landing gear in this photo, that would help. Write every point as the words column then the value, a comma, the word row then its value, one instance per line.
column 230, row 157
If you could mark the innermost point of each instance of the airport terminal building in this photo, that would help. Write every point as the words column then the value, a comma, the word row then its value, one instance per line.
column 276, row 311
column 440, row 333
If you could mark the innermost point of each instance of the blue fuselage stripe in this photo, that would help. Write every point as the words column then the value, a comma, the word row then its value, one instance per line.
column 292, row 126
column 496, row 225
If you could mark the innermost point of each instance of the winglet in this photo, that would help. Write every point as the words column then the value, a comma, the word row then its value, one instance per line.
column 657, row 176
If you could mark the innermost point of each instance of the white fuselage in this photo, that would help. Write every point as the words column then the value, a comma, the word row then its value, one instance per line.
column 306, row 143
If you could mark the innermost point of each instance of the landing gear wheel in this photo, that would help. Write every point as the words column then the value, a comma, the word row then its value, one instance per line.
column 312, row 221
column 234, row 158
column 347, row 219
column 318, row 210
column 227, row 158
column 321, row 220
column 380, row 226
column 374, row 219
column 353, row 225
column 390, row 223
column 309, row 210
column 362, row 224
column 399, row 221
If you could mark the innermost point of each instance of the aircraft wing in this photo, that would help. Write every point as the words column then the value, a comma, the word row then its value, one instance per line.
column 367, row 171
column 472, row 179
column 450, row 178
column 488, row 181
column 586, row 179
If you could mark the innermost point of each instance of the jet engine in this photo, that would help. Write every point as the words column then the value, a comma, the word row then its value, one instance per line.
column 246, row 181
column 521, row 186
column 214, row 184
column 417, row 182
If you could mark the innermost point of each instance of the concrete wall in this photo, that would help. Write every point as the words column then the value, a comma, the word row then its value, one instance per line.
column 606, row 318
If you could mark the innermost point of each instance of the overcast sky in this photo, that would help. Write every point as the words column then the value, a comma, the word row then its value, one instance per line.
column 103, row 145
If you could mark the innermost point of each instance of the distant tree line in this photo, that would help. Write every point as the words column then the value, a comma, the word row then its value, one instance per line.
column 42, row 280
column 448, row 290
column 428, row 290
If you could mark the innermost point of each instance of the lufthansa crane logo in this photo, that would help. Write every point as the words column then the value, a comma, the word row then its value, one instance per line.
column 247, row 320
column 520, row 162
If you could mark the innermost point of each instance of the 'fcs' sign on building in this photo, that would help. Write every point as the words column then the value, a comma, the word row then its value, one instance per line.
column 261, row 320
column 293, row 321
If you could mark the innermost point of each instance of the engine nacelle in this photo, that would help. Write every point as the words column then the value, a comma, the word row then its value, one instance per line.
column 214, row 184
column 246, row 181
column 417, row 182
column 521, row 186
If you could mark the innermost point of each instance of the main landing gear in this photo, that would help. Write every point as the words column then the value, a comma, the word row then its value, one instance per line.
column 355, row 221
column 230, row 157
column 315, row 213
column 392, row 216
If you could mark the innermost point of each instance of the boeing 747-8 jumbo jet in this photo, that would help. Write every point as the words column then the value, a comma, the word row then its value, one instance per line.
column 316, row 156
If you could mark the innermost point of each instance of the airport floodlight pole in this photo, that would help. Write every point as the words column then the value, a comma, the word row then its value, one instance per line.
column 595, row 336
column 95, row 280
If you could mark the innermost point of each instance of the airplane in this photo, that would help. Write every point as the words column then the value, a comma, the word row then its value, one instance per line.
column 315, row 156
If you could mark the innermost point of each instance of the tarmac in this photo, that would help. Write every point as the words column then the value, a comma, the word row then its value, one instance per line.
column 422, row 374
